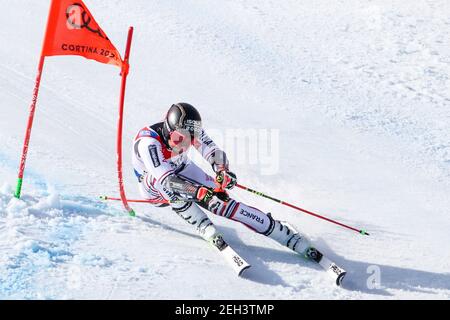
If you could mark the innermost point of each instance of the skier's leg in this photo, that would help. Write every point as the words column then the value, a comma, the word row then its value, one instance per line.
column 195, row 174
column 191, row 213
column 149, row 192
column 251, row 217
column 260, row 222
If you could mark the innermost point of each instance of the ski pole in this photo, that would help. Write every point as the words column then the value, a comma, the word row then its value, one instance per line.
column 361, row 231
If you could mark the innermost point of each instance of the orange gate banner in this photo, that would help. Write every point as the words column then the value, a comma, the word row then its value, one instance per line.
column 72, row 30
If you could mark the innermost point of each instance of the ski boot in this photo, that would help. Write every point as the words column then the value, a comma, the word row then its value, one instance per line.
column 193, row 215
column 286, row 235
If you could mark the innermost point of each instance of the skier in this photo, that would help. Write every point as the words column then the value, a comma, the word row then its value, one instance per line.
column 167, row 176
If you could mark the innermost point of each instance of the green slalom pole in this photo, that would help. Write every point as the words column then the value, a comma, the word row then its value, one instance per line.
column 18, row 188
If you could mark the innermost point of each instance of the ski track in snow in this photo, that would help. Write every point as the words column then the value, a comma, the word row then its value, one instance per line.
column 359, row 88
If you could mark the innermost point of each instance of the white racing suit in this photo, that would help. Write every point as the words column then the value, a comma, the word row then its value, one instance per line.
column 154, row 165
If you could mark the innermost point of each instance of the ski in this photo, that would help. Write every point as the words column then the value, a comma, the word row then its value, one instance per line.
column 237, row 263
column 332, row 269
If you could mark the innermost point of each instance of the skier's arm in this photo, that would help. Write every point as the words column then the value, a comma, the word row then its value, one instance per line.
column 189, row 190
column 218, row 160
column 211, row 152
column 150, row 151
column 181, row 187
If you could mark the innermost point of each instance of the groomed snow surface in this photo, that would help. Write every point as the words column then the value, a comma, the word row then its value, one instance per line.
column 359, row 94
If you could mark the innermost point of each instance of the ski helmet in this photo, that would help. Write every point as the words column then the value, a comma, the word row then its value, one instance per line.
column 182, row 124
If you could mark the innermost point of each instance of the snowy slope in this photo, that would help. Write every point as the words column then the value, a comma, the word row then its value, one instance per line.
column 357, row 89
